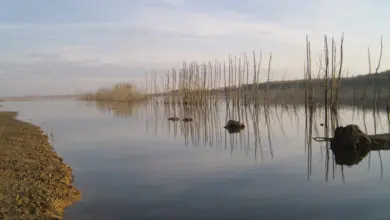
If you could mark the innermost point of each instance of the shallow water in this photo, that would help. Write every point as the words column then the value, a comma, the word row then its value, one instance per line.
column 132, row 163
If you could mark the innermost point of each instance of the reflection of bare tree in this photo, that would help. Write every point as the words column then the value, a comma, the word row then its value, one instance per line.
column 206, row 128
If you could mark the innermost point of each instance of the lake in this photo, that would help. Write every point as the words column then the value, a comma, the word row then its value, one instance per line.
column 130, row 162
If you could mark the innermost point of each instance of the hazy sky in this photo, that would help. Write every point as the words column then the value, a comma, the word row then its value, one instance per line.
column 51, row 47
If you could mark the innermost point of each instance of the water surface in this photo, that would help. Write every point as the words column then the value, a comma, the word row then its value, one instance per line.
column 130, row 162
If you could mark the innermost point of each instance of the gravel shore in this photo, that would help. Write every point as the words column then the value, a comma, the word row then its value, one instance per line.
column 34, row 183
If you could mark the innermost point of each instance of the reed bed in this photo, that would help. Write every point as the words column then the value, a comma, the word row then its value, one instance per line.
column 124, row 92
column 235, row 80
column 242, row 80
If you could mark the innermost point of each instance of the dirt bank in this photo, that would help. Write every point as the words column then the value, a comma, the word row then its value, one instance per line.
column 34, row 183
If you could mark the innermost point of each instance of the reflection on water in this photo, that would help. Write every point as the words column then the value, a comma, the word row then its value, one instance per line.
column 121, row 109
column 131, row 162
column 264, row 125
column 350, row 157
column 207, row 126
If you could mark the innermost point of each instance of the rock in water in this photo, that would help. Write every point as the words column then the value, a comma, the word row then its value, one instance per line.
column 187, row 119
column 173, row 119
column 350, row 137
column 234, row 125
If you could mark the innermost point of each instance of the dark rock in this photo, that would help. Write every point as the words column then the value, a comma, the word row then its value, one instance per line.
column 234, row 126
column 187, row 119
column 350, row 137
column 173, row 119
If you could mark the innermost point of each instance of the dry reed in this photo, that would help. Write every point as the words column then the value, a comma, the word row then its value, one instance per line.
column 124, row 92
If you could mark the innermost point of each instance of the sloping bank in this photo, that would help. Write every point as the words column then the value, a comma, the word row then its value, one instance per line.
column 34, row 182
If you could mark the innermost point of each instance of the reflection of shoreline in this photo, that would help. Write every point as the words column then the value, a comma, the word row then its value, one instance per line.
column 122, row 109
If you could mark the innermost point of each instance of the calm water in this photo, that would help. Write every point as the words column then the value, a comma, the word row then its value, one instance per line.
column 132, row 163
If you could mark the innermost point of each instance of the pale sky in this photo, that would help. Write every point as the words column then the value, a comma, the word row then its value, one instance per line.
column 56, row 47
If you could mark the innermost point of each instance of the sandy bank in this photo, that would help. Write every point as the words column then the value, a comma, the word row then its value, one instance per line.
column 34, row 183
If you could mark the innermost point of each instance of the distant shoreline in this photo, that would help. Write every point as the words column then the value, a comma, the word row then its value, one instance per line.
column 22, row 98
